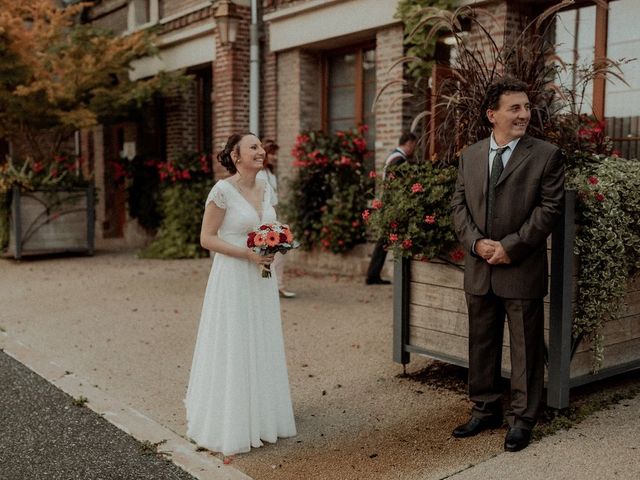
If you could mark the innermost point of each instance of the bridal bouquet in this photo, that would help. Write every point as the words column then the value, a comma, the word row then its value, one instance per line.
column 271, row 238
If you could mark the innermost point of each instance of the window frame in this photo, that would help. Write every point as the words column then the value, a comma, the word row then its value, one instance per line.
column 154, row 16
column 359, row 50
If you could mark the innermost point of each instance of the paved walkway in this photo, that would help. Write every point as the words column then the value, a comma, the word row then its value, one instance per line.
column 120, row 331
column 45, row 436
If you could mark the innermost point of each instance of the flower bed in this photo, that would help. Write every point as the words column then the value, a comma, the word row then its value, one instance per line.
column 329, row 191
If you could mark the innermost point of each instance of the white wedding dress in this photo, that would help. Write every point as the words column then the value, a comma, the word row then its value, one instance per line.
column 238, row 392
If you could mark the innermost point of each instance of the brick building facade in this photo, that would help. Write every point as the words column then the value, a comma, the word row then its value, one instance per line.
column 321, row 64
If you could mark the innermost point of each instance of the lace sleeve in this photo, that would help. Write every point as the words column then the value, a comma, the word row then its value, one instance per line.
column 217, row 196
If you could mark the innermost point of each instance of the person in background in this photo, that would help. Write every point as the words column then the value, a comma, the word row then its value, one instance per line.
column 402, row 153
column 267, row 173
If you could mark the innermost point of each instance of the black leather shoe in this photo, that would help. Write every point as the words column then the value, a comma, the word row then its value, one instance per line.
column 476, row 425
column 377, row 281
column 517, row 439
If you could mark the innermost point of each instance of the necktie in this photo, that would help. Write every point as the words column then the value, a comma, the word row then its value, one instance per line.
column 496, row 171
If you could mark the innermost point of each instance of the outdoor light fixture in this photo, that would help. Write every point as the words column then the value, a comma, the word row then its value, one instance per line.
column 227, row 20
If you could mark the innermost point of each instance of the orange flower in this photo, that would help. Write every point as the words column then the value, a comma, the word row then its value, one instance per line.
column 273, row 238
column 260, row 240
column 288, row 234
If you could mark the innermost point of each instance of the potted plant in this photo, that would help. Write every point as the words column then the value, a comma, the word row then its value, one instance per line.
column 51, row 206
column 593, row 310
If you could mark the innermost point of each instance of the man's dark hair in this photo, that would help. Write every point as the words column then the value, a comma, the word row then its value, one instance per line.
column 495, row 91
column 407, row 137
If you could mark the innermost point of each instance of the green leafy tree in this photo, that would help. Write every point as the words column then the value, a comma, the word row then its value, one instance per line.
column 58, row 75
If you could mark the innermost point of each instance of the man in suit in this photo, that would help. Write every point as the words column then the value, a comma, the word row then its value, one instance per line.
column 509, row 194
column 402, row 153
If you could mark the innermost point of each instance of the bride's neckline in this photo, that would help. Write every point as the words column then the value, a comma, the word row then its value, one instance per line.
column 238, row 189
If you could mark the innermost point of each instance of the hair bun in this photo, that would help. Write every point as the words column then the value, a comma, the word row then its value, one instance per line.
column 224, row 156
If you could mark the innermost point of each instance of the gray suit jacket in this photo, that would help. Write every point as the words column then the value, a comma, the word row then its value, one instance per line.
column 529, row 199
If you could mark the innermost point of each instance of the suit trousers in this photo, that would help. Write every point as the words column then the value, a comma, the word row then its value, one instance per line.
column 378, row 258
column 526, row 335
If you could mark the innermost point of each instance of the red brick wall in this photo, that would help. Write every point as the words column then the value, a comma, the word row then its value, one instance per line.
column 389, row 110
column 180, row 115
column 231, row 88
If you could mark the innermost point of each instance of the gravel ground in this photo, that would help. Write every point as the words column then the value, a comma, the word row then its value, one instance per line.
column 45, row 436
column 128, row 326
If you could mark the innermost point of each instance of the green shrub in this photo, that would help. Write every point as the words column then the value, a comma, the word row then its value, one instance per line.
column 329, row 190
column 182, row 208
column 413, row 214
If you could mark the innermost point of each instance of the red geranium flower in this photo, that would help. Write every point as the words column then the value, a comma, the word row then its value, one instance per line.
column 593, row 180
column 599, row 197
column 430, row 219
column 365, row 215
column 376, row 204
column 417, row 187
column 406, row 244
column 393, row 237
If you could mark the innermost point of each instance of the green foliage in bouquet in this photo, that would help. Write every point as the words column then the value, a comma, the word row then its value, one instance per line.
column 186, row 183
column 329, row 190
column 413, row 214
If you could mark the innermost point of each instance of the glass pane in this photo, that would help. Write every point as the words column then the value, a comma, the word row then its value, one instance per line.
column 342, row 124
column 142, row 11
column 622, row 102
column 575, row 40
column 342, row 70
column 342, row 103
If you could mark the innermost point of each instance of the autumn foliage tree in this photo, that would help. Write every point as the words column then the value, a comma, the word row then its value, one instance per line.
column 58, row 75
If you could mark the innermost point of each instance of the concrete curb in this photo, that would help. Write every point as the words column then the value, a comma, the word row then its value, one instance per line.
column 182, row 453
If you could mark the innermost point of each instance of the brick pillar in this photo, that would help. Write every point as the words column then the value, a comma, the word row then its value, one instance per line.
column 231, row 88
column 180, row 115
column 298, row 104
column 389, row 110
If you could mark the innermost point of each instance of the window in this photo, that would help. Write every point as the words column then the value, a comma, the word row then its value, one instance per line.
column 142, row 13
column 593, row 32
column 349, row 90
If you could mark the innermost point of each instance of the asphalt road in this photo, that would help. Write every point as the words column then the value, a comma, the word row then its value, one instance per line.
column 45, row 435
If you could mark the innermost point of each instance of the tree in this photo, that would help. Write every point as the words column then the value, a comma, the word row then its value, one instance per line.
column 58, row 75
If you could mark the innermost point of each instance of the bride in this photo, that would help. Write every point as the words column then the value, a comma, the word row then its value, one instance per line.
column 238, row 392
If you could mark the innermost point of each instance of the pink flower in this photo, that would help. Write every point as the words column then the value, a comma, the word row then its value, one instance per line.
column 355, row 224
column 376, row 204
column 372, row 174
column 393, row 237
column 406, row 244
column 457, row 255
column 393, row 224
column 345, row 160
column 593, row 180
column 417, row 187
column 430, row 219
column 365, row 215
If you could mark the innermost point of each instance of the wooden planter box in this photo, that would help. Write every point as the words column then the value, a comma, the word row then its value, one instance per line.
column 51, row 221
column 430, row 318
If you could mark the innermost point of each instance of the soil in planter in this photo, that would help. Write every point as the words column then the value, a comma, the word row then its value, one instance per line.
column 585, row 401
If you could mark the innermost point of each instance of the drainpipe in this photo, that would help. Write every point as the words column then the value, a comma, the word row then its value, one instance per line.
column 254, row 72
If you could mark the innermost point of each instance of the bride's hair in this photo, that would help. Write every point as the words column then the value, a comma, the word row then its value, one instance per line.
column 224, row 156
